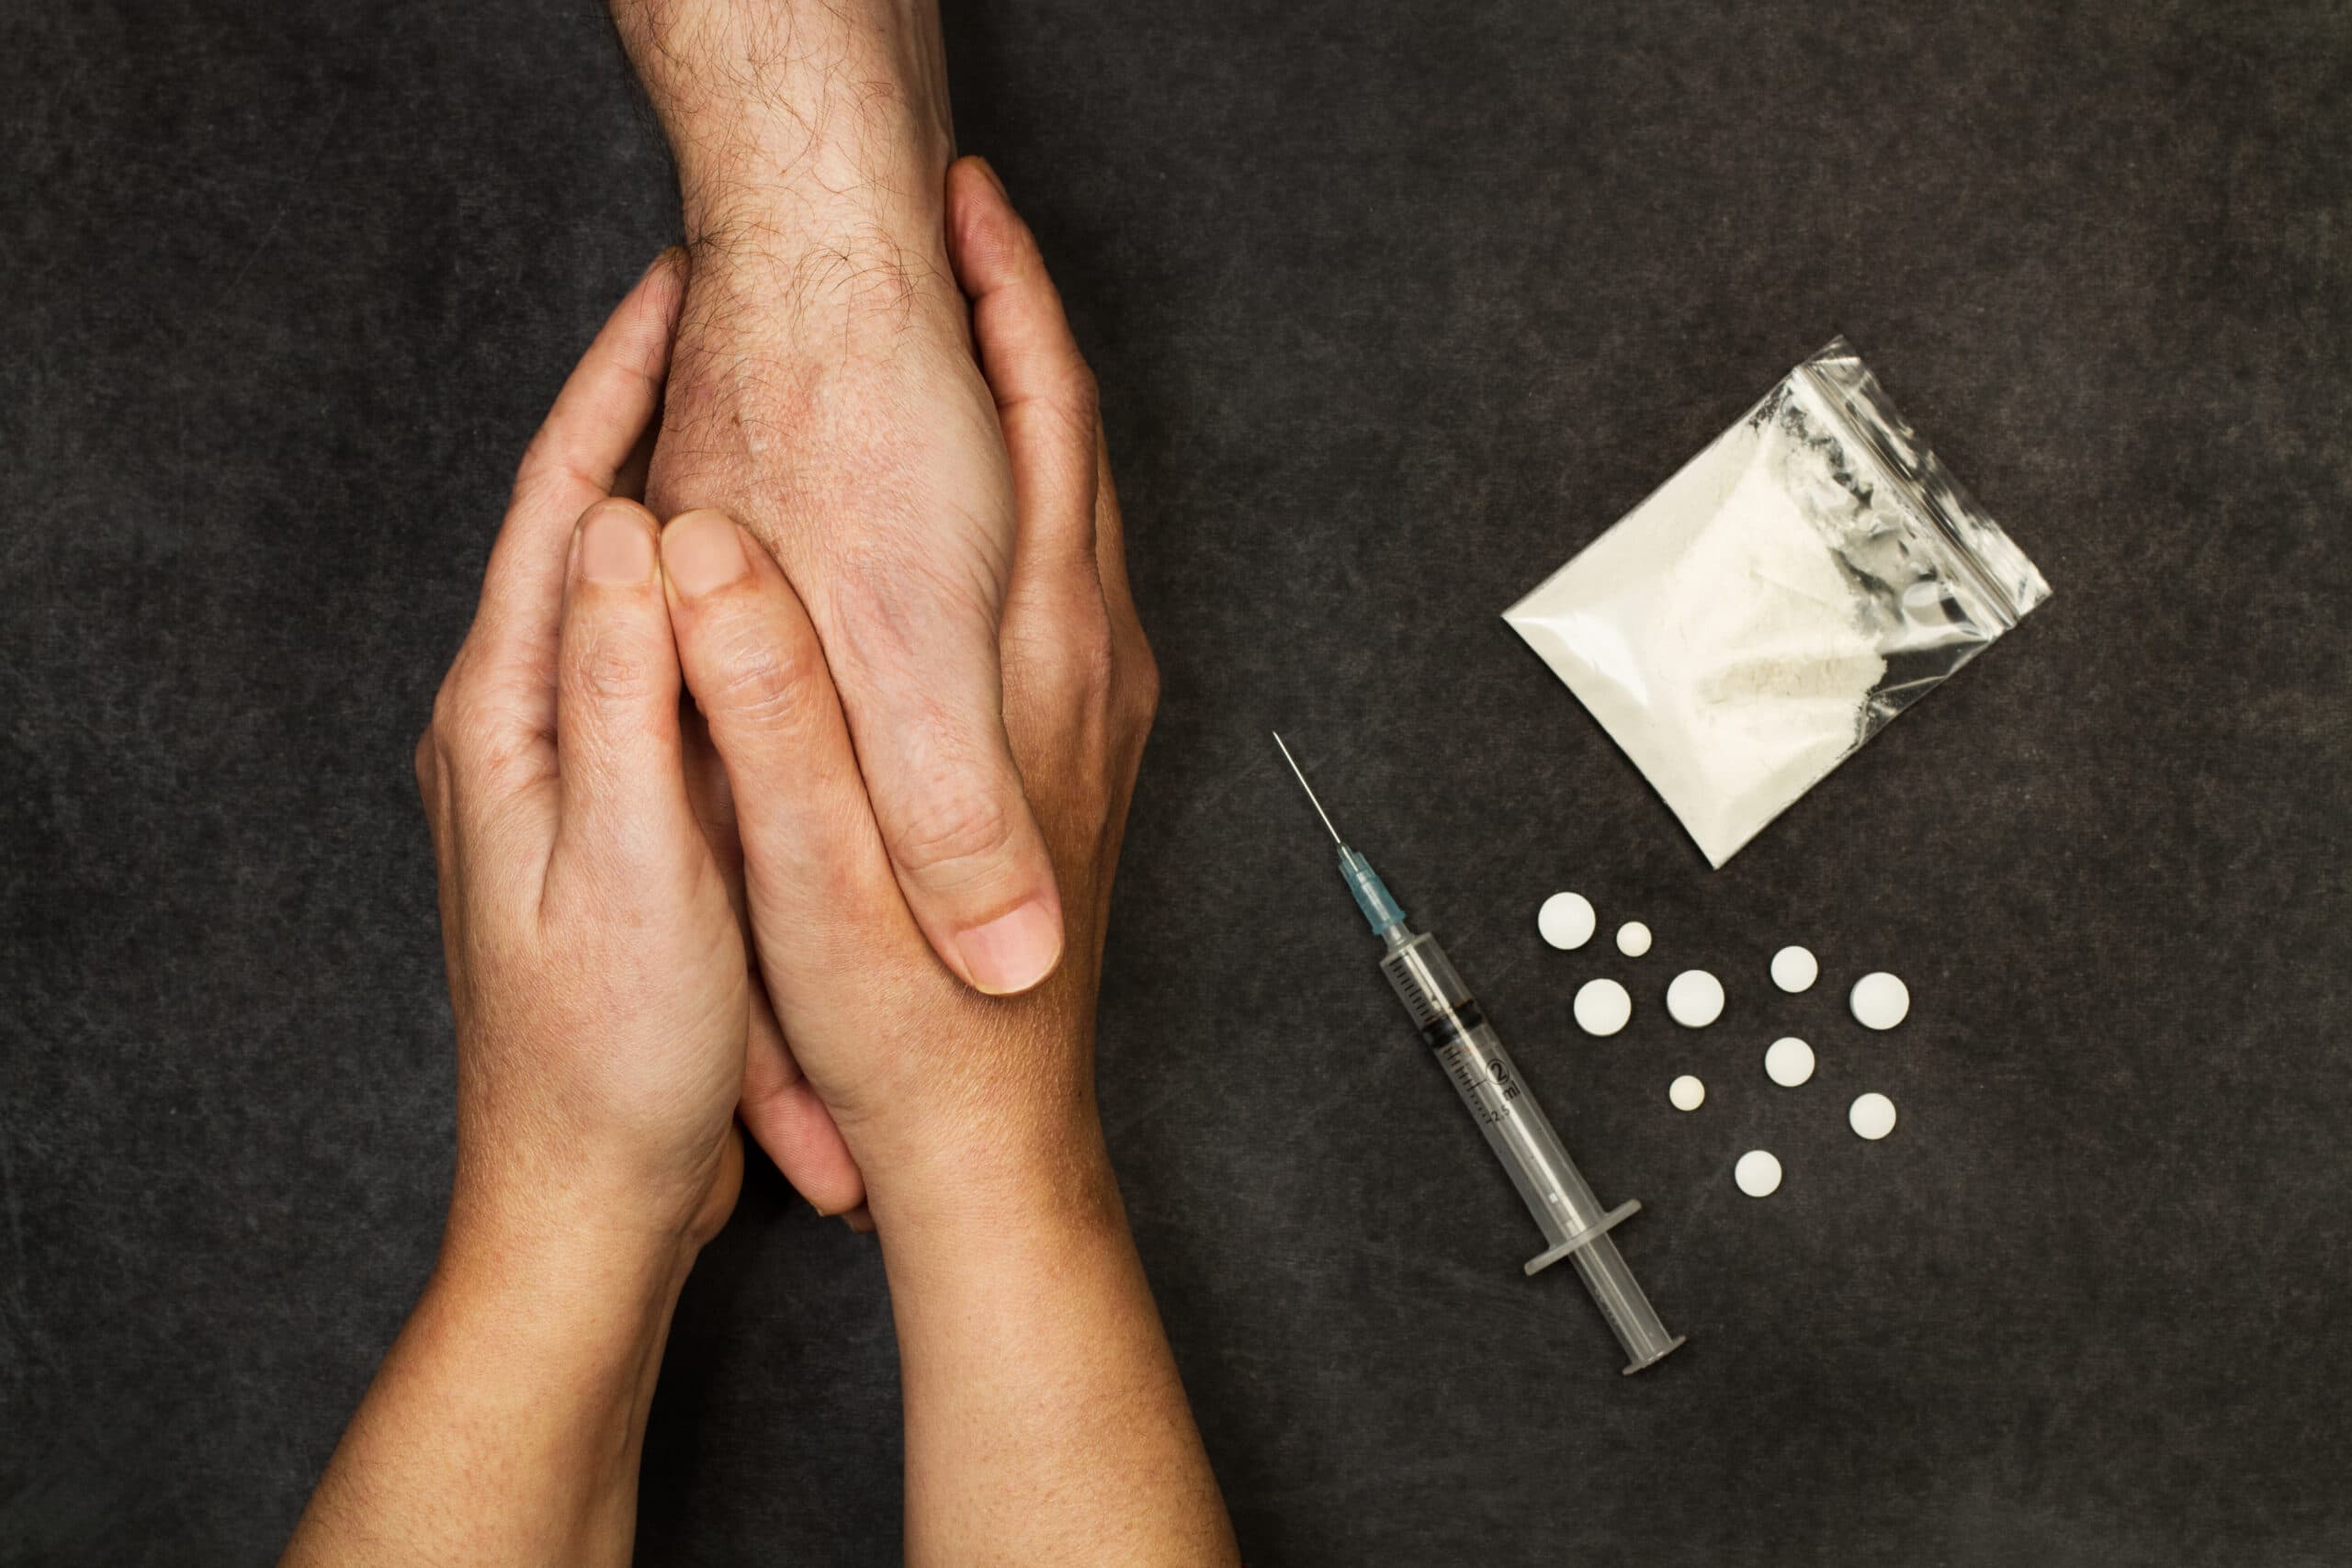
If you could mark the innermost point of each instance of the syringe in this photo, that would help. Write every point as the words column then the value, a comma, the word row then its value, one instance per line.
column 1472, row 1054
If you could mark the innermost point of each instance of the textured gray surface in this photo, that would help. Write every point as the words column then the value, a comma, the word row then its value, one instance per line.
column 1394, row 307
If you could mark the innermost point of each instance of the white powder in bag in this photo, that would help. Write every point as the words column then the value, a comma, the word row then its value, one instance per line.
column 1735, row 632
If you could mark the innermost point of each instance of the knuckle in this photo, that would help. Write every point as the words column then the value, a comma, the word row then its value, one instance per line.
column 761, row 673
column 461, row 718
column 957, row 829
column 1072, row 656
column 1079, row 656
column 609, row 665
column 479, row 731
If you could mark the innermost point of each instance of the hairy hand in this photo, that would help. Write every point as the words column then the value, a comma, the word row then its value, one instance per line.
column 823, row 392
column 925, row 1078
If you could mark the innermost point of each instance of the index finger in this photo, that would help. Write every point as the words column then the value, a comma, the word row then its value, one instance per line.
column 604, row 410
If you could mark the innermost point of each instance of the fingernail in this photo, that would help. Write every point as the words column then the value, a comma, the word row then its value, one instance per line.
column 615, row 547
column 704, row 551
column 994, row 178
column 1013, row 952
column 860, row 1219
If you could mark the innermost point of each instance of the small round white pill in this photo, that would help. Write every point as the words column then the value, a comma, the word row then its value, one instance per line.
column 1871, row 1116
column 1633, row 938
column 1788, row 1062
column 1687, row 1093
column 1879, row 1001
column 1602, row 1007
column 1795, row 969
column 1567, row 921
column 1695, row 999
column 1757, row 1173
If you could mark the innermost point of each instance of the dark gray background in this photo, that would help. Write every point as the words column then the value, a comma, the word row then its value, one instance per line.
column 1394, row 307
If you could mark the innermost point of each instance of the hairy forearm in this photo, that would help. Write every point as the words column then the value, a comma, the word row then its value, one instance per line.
column 790, row 115
column 505, row 1424
column 1045, row 1421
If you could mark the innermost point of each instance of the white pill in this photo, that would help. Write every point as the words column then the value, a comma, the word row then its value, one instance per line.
column 1871, row 1116
column 1633, row 938
column 1879, row 1001
column 1687, row 1093
column 1757, row 1173
column 1795, row 969
column 1695, row 999
column 1788, row 1062
column 1567, row 921
column 1602, row 1007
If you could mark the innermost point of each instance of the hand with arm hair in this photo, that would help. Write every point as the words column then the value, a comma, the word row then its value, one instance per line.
column 593, row 908
column 1046, row 1422
column 824, row 394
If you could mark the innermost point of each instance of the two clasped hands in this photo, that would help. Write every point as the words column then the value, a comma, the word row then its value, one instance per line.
column 787, row 809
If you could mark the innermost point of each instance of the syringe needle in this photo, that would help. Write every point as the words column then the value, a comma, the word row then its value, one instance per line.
column 1380, row 910
column 1309, row 789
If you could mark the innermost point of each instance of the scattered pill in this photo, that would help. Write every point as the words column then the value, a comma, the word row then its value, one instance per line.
column 1633, row 938
column 1795, row 969
column 1687, row 1093
column 1695, row 999
column 1602, row 1007
column 1879, row 1001
column 1788, row 1062
column 1567, row 921
column 1757, row 1173
column 1871, row 1116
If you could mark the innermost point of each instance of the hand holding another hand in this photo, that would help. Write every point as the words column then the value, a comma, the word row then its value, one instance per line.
column 1045, row 1421
column 612, row 860
column 608, row 1027
column 596, row 963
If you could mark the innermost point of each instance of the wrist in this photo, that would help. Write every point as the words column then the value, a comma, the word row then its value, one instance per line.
column 566, row 1257
column 797, row 117
column 778, row 271
column 536, row 1355
column 1042, row 1173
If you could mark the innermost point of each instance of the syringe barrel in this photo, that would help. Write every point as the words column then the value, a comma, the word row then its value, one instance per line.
column 1572, row 1221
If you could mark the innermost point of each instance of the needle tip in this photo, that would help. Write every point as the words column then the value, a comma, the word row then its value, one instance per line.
column 1300, row 774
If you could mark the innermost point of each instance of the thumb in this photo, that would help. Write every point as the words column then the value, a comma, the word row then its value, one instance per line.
column 914, row 649
column 954, row 813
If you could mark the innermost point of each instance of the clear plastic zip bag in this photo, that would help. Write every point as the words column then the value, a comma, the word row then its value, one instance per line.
column 1811, row 574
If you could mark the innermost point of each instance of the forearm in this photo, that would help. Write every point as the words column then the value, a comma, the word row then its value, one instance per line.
column 1045, row 1421
column 787, row 115
column 505, row 1424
